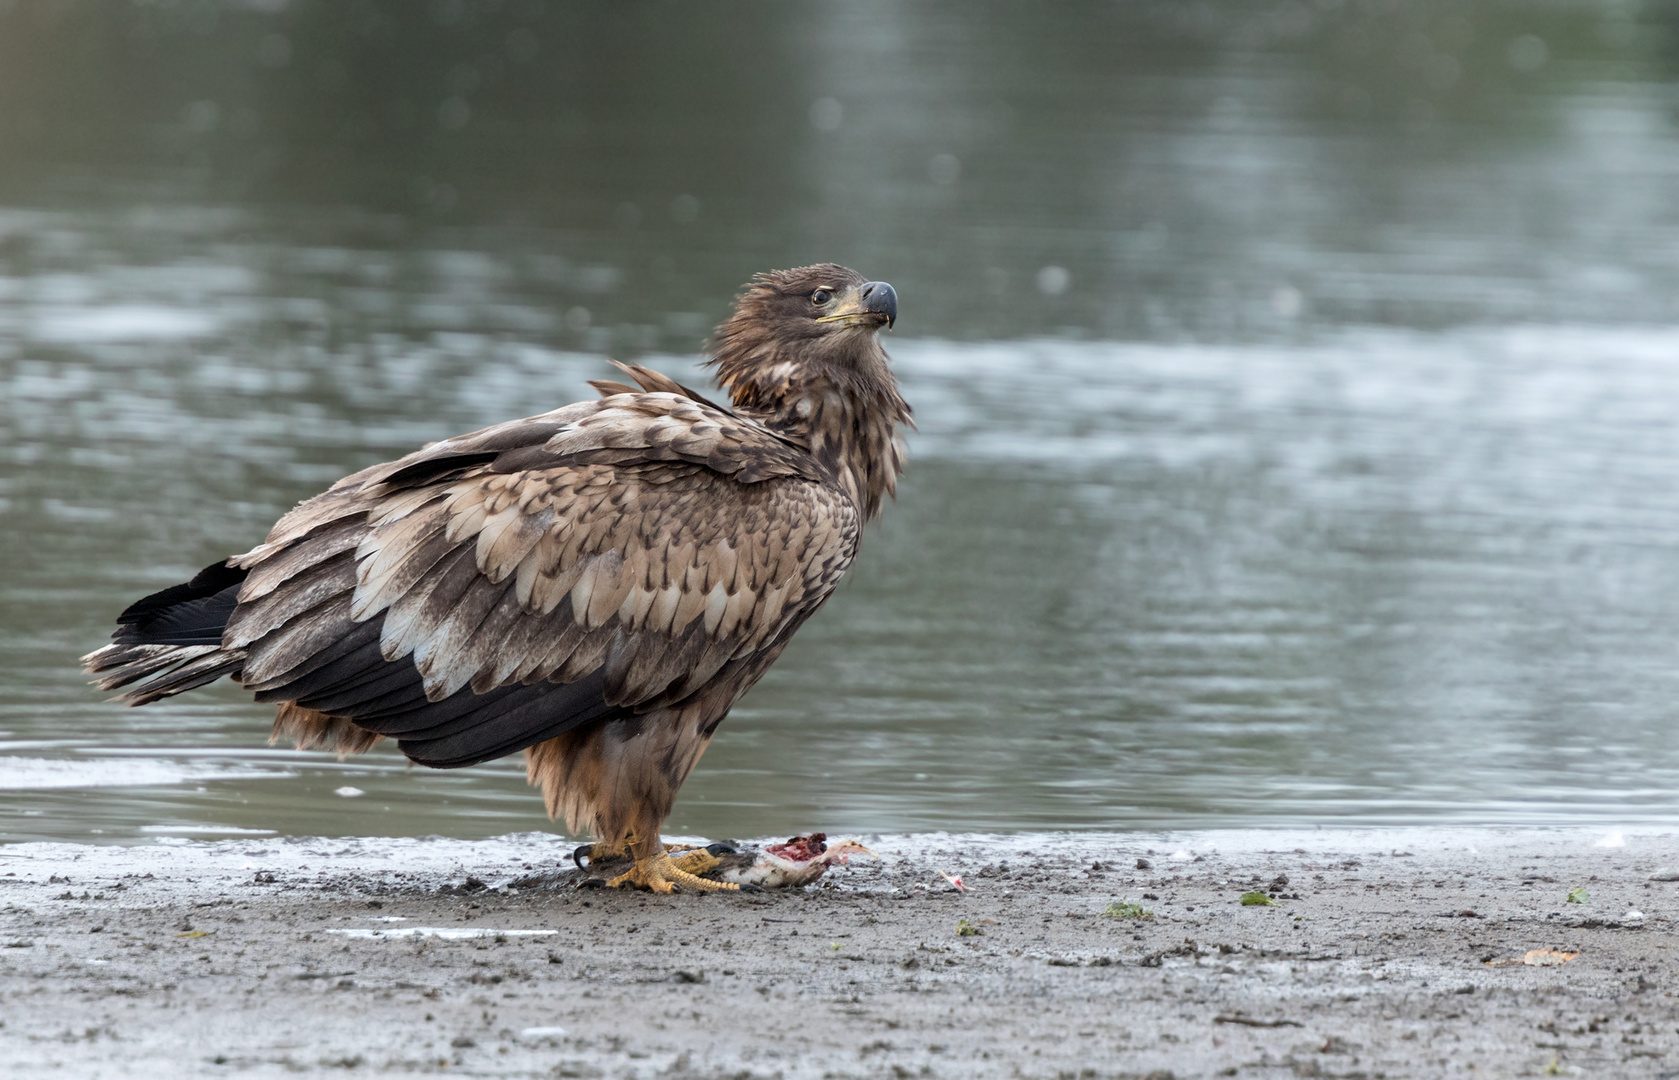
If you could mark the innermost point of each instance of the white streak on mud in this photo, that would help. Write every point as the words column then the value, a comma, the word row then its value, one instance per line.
column 447, row 933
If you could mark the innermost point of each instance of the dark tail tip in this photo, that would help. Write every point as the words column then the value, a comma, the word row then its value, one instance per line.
column 172, row 639
column 194, row 613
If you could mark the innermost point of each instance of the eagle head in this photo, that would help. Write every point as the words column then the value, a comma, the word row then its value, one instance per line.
column 812, row 327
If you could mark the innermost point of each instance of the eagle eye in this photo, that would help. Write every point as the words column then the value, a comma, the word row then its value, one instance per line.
column 820, row 297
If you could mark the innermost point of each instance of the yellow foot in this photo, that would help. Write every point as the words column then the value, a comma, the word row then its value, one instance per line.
column 660, row 872
column 693, row 860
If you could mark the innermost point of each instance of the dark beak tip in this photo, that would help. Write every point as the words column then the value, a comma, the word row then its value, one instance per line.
column 881, row 299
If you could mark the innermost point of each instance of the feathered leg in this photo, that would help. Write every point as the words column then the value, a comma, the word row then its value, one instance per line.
column 618, row 780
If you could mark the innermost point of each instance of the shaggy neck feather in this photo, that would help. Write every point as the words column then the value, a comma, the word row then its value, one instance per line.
column 844, row 408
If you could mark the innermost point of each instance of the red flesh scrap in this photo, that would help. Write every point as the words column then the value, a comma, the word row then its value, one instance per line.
column 800, row 848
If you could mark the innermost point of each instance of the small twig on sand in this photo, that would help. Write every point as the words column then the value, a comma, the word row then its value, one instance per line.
column 1248, row 1021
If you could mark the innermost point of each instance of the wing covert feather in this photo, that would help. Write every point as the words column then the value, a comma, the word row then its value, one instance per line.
column 643, row 543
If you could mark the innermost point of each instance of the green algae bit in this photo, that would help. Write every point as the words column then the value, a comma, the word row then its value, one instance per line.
column 1127, row 909
column 1257, row 899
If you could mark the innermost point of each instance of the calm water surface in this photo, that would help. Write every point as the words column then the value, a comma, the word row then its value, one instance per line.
column 1296, row 386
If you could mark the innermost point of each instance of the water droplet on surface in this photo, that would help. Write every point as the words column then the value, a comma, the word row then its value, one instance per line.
column 944, row 169
column 684, row 209
column 826, row 114
column 1054, row 280
column 203, row 116
column 453, row 114
column 1527, row 53
column 274, row 51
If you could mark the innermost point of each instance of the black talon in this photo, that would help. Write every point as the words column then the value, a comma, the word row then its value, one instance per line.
column 584, row 852
column 720, row 849
column 747, row 886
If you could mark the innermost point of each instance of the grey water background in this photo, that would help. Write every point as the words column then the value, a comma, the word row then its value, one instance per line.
column 1296, row 383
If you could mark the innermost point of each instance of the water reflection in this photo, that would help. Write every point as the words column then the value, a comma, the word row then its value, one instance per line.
column 1354, row 500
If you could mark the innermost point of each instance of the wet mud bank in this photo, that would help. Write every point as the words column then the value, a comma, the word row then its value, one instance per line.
column 1356, row 954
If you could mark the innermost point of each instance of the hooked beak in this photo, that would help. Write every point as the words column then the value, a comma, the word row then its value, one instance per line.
column 872, row 303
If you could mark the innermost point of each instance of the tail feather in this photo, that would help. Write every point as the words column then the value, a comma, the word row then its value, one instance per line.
column 194, row 613
column 189, row 676
column 121, row 665
column 172, row 639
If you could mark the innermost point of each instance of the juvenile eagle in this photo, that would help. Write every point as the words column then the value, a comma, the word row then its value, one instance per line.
column 596, row 586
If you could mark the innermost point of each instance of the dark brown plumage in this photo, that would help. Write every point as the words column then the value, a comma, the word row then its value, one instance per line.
column 597, row 585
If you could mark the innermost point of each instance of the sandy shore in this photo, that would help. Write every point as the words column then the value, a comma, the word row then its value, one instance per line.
column 1385, row 953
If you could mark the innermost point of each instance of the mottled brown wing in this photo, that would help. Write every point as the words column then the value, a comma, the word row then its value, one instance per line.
column 498, row 589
